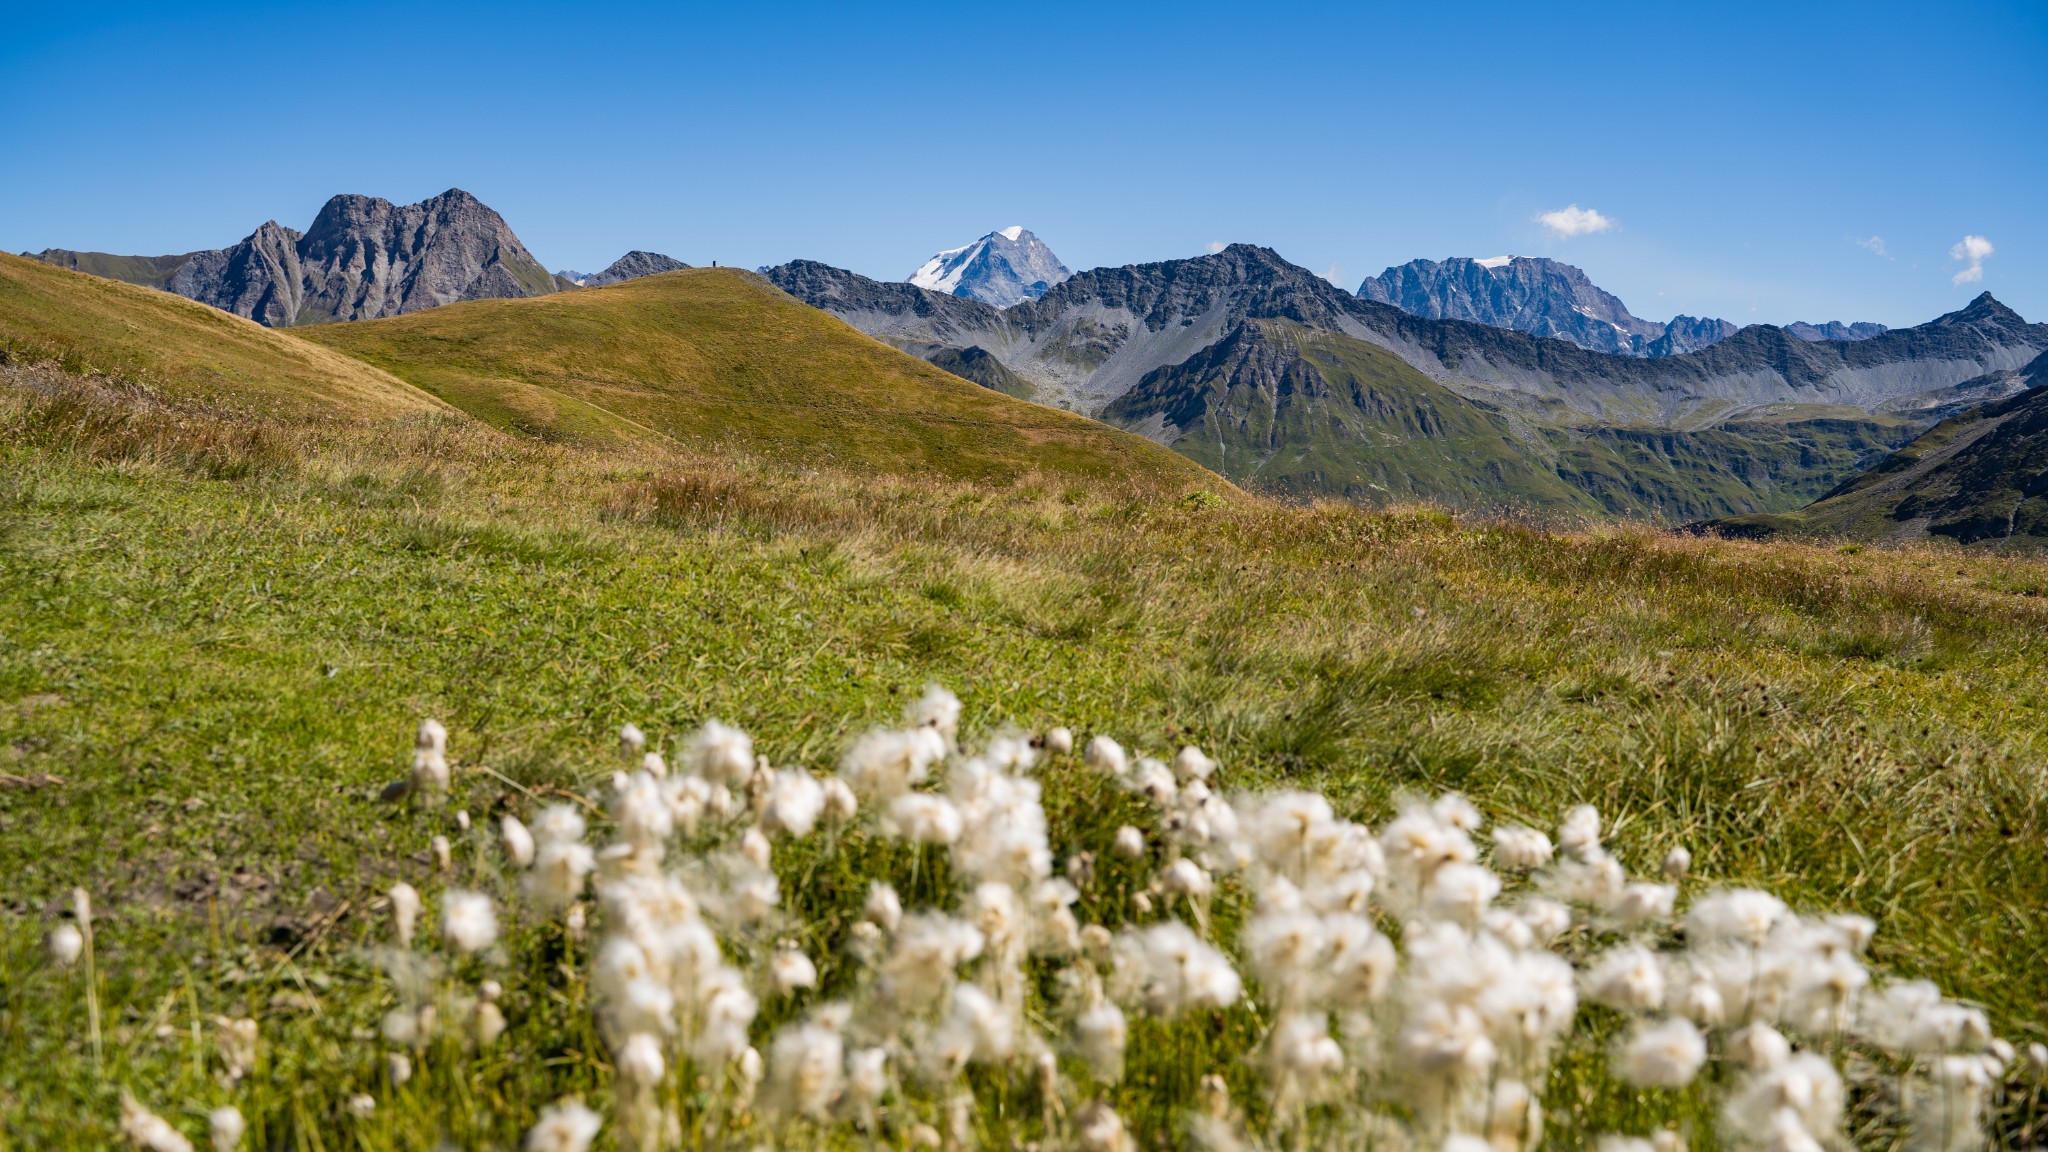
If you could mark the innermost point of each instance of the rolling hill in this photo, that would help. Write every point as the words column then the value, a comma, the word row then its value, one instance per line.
column 180, row 349
column 719, row 356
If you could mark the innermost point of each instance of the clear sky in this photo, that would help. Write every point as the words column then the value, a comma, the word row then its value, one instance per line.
column 1762, row 162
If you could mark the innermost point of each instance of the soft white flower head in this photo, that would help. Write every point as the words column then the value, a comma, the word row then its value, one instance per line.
column 653, row 764
column 468, row 921
column 558, row 824
column 560, row 868
column 1642, row 905
column 1129, row 843
column 884, row 765
column 1179, row 970
column 640, row 1061
column 883, row 909
column 67, row 944
column 720, row 754
column 405, row 912
column 791, row 970
column 632, row 741
column 566, row 1126
column 938, row 710
column 1191, row 764
column 1578, row 836
column 1677, row 863
column 1518, row 849
column 146, row 1129
column 1101, row 1035
column 1628, row 979
column 1099, row 1129
column 1665, row 1053
column 923, row 818
column 1454, row 811
column 796, row 802
column 841, row 805
column 806, row 1068
column 1759, row 1047
column 1060, row 741
column 1184, row 877
column 517, row 840
column 642, row 813
column 225, row 1126
column 1735, row 916
column 1107, row 756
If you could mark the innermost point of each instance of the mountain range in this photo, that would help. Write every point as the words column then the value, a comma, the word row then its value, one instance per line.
column 1759, row 421
column 1002, row 268
column 1545, row 298
column 363, row 257
column 1462, row 381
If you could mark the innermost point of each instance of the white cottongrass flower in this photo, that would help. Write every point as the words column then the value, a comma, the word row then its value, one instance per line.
column 938, row 710
column 1129, row 843
column 566, row 1126
column 796, row 802
column 791, row 970
column 883, row 909
column 755, row 849
column 1627, row 979
column 640, row 1061
column 1736, row 916
column 1518, row 849
column 1578, row 836
column 1191, row 764
column 1060, row 741
column 67, row 944
column 1106, row 756
column 884, row 765
column 558, row 824
column 807, row 1067
column 430, row 759
column 841, row 805
column 1099, row 1129
column 236, row 1040
column 224, row 1127
column 924, row 818
column 1677, row 863
column 468, row 921
column 146, row 1129
column 405, row 912
column 867, row 1081
column 444, row 853
column 1665, row 1053
column 653, row 764
column 1179, row 970
column 1184, row 877
column 720, row 755
column 398, row 1066
column 517, row 840
column 1102, row 1035
column 1640, row 905
column 632, row 741
column 362, row 1105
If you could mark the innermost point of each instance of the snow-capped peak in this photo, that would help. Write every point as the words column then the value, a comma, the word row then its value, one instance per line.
column 1495, row 261
column 1002, row 268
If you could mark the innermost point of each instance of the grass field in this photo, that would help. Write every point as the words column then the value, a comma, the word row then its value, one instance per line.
column 218, row 631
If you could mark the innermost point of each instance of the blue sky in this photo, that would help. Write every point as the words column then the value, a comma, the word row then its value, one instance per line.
column 1739, row 153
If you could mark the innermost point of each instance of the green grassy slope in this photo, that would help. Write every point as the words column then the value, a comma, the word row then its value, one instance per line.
column 1299, row 412
column 719, row 356
column 180, row 349
column 203, row 683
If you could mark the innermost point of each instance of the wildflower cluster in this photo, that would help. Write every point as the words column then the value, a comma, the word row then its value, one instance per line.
column 1415, row 982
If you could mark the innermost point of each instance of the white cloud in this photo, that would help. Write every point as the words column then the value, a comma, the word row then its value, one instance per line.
column 1974, row 249
column 1575, row 221
column 1331, row 273
column 1874, row 244
column 1217, row 246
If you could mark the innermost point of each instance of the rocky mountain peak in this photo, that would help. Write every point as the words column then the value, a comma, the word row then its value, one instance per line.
column 631, row 266
column 1003, row 268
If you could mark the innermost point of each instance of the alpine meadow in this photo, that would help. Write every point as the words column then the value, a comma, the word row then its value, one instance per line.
column 902, row 692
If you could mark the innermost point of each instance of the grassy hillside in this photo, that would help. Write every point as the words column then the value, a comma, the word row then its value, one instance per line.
column 182, row 350
column 1975, row 478
column 205, row 682
column 1298, row 412
column 720, row 357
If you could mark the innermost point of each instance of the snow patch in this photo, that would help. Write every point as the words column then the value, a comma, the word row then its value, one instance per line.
column 1494, row 261
column 1012, row 232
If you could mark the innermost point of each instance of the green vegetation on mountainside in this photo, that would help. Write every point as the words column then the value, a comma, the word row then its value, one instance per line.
column 721, row 357
column 179, row 349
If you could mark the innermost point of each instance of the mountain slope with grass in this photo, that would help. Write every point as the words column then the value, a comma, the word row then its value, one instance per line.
column 1976, row 478
column 181, row 350
column 718, row 356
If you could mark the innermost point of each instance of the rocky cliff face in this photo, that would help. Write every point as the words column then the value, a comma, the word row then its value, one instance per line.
column 1002, row 268
column 363, row 257
column 1537, row 296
